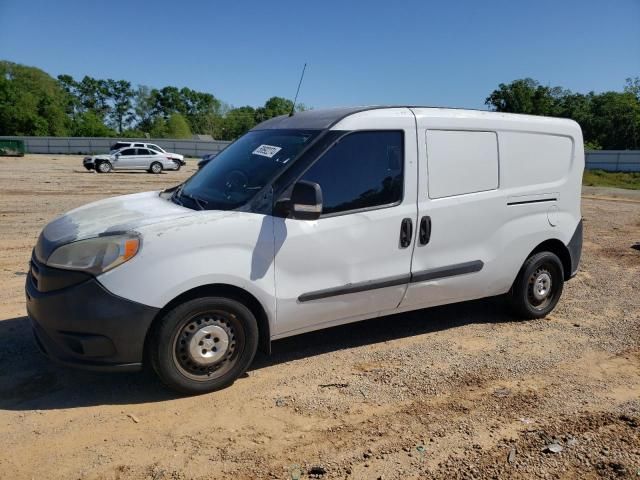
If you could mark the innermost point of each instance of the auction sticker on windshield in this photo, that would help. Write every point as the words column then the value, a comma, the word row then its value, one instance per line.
column 266, row 150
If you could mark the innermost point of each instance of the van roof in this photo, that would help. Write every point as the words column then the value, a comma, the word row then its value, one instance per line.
column 325, row 118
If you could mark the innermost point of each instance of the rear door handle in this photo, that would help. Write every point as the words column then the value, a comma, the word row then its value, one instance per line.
column 425, row 230
column 406, row 230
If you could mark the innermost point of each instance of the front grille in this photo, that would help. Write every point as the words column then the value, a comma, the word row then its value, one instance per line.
column 47, row 279
column 34, row 273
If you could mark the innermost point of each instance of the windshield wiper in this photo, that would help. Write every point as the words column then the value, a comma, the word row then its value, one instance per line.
column 175, row 195
column 198, row 201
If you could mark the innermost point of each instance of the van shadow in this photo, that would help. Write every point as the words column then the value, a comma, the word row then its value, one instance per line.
column 29, row 381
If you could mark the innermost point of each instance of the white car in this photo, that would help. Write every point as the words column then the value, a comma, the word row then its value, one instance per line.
column 130, row 159
column 321, row 218
column 152, row 146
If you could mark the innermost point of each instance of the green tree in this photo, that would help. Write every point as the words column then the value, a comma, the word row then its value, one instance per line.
column 143, row 108
column 632, row 86
column 31, row 102
column 616, row 121
column 89, row 124
column 273, row 107
column 121, row 95
column 70, row 87
column 236, row 122
column 93, row 94
column 202, row 110
column 178, row 127
column 524, row 96
column 158, row 128
column 167, row 101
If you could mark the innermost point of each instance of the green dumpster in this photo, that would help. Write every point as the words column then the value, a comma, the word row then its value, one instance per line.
column 12, row 148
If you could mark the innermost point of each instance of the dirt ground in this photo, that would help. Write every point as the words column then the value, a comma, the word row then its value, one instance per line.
column 462, row 391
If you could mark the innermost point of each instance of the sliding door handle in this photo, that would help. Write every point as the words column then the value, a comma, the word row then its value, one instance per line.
column 425, row 230
column 406, row 230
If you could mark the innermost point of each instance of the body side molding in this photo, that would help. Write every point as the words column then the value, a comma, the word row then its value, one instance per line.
column 432, row 274
column 448, row 271
column 355, row 288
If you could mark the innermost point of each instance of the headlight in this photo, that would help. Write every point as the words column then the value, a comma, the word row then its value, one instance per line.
column 96, row 255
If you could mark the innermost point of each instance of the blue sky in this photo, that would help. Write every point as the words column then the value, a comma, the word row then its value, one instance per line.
column 448, row 53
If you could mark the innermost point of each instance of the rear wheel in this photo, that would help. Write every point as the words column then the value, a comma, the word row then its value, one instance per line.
column 104, row 167
column 204, row 344
column 538, row 287
column 156, row 167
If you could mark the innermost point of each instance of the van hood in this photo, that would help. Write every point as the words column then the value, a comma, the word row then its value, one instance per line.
column 112, row 215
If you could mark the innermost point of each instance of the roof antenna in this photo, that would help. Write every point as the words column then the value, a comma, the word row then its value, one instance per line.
column 293, row 107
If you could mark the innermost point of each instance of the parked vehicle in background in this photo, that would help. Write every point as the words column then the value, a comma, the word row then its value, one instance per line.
column 179, row 159
column 309, row 221
column 206, row 159
column 130, row 159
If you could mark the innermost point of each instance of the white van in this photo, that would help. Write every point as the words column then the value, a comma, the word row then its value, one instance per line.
column 308, row 221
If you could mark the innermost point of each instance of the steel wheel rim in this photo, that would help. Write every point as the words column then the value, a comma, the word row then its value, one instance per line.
column 104, row 167
column 200, row 362
column 540, row 288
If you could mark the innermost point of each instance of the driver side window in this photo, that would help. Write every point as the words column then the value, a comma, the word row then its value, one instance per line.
column 363, row 170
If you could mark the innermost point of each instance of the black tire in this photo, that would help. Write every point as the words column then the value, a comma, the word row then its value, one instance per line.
column 183, row 330
column 178, row 165
column 538, row 286
column 155, row 167
column 104, row 167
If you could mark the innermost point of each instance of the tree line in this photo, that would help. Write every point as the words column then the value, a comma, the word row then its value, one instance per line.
column 609, row 120
column 34, row 103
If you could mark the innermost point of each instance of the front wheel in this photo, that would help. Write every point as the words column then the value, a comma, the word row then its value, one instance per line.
column 538, row 287
column 204, row 344
column 104, row 167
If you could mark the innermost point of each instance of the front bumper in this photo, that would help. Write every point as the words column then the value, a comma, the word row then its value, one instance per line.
column 83, row 324
column 88, row 164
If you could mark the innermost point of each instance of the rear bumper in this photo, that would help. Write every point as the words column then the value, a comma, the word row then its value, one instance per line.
column 575, row 249
column 85, row 325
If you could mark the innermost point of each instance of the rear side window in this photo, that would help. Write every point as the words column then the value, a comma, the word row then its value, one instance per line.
column 138, row 144
column 460, row 162
column 363, row 170
column 144, row 151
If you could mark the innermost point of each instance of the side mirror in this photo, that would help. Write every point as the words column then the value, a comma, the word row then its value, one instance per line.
column 305, row 202
column 117, row 155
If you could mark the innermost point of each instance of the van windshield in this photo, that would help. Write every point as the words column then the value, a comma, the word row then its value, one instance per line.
column 237, row 173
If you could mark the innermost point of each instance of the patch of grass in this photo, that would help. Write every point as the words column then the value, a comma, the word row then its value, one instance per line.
column 600, row 178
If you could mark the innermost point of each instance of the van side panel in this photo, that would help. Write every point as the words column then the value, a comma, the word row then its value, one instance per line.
column 535, row 160
column 461, row 162
column 540, row 172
